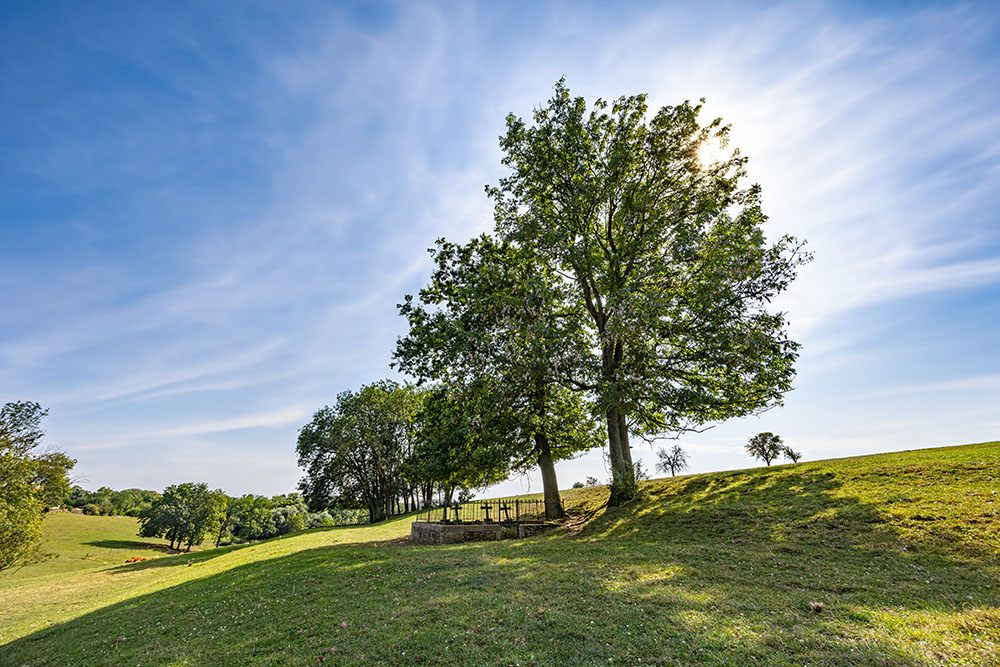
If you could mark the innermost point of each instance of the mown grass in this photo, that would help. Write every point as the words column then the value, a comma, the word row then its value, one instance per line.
column 74, row 542
column 902, row 550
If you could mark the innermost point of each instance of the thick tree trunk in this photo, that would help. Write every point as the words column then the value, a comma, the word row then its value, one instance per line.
column 625, row 445
column 375, row 510
column 622, row 472
column 550, row 486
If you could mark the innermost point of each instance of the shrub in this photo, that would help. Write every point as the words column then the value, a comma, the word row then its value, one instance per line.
column 91, row 509
column 295, row 523
column 319, row 520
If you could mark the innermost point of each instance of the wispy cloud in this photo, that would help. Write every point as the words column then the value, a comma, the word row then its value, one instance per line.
column 294, row 414
column 980, row 382
column 225, row 250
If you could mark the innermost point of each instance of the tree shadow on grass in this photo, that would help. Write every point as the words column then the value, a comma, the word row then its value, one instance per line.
column 179, row 558
column 186, row 558
column 133, row 545
column 705, row 571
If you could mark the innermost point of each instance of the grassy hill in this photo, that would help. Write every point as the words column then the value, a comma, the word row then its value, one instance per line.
column 74, row 542
column 902, row 551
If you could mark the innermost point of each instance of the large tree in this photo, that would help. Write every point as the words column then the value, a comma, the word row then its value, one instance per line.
column 666, row 255
column 451, row 450
column 184, row 514
column 495, row 327
column 30, row 480
column 355, row 449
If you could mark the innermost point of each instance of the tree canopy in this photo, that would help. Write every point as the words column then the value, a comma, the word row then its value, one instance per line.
column 184, row 514
column 663, row 254
column 30, row 480
column 765, row 446
column 354, row 451
column 495, row 327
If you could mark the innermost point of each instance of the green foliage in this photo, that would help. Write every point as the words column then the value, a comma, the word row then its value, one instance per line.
column 492, row 329
column 791, row 454
column 290, row 518
column 184, row 514
column 578, row 485
column 765, row 446
column 453, row 448
column 29, row 481
column 254, row 519
column 108, row 502
column 665, row 255
column 20, row 509
column 355, row 450
column 295, row 523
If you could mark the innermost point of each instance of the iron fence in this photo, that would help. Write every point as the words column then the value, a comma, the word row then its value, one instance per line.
column 501, row 511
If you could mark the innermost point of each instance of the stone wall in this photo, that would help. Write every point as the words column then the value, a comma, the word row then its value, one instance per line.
column 424, row 532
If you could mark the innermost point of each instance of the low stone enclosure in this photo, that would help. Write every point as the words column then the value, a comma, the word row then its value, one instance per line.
column 479, row 521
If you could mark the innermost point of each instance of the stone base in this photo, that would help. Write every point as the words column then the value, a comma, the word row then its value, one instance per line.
column 425, row 532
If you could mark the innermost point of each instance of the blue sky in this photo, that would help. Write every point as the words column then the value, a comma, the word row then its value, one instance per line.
column 208, row 212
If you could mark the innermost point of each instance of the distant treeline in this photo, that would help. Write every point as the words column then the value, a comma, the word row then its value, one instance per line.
column 108, row 502
column 189, row 514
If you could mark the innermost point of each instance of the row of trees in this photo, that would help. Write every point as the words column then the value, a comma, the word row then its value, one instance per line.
column 624, row 291
column 188, row 514
column 31, row 479
column 765, row 446
column 108, row 502
column 390, row 448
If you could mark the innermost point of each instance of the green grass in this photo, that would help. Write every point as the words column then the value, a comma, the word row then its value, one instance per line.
column 74, row 542
column 902, row 550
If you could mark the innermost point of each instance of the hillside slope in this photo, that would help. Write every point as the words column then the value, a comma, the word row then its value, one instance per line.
column 902, row 551
column 75, row 542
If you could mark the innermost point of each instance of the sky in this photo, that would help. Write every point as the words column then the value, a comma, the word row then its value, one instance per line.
column 210, row 211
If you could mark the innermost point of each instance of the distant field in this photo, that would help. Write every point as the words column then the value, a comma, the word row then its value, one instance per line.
column 73, row 542
column 901, row 550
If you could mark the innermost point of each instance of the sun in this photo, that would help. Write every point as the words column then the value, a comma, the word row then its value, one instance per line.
column 710, row 151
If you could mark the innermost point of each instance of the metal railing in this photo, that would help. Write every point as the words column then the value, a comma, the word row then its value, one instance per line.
column 500, row 511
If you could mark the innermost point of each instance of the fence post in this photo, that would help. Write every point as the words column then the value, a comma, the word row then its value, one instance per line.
column 517, row 519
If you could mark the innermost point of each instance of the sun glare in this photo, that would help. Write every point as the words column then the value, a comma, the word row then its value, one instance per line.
column 709, row 152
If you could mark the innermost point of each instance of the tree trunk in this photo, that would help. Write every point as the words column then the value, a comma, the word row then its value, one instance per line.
column 622, row 472
column 375, row 510
column 625, row 444
column 550, row 486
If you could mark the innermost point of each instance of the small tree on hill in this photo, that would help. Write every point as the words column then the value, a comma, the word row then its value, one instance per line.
column 791, row 454
column 593, row 481
column 765, row 446
column 673, row 460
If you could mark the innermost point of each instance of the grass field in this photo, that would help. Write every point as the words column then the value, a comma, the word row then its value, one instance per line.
column 74, row 542
column 902, row 550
